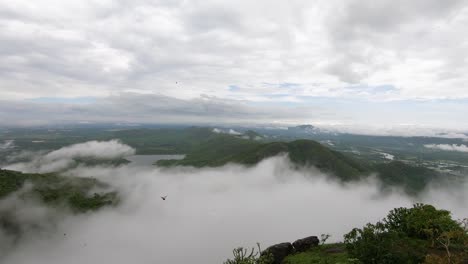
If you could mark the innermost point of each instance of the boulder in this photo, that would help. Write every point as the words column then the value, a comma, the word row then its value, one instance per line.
column 279, row 252
column 306, row 243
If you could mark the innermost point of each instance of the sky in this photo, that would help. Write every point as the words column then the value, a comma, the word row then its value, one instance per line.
column 387, row 63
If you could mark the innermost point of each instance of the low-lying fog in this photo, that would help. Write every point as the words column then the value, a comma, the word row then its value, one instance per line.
column 210, row 211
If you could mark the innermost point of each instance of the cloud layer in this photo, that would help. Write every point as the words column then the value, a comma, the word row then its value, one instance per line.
column 64, row 158
column 448, row 147
column 7, row 144
column 387, row 63
column 184, row 49
column 208, row 212
column 406, row 118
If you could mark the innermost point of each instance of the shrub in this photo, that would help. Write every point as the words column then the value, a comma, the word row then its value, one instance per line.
column 243, row 256
column 405, row 236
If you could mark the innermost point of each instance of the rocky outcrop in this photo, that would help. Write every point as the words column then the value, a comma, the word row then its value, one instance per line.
column 305, row 244
column 279, row 252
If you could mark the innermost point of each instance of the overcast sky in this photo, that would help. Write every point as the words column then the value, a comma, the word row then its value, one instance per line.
column 388, row 62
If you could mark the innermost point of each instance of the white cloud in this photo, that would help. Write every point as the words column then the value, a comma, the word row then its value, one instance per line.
column 64, row 158
column 233, row 132
column 229, row 131
column 409, row 118
column 7, row 144
column 98, row 149
column 97, row 48
column 152, row 108
column 448, row 147
column 185, row 51
column 209, row 212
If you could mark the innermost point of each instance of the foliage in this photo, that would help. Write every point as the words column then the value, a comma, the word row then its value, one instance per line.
column 406, row 235
column 55, row 190
column 324, row 238
column 243, row 256
column 69, row 193
column 225, row 148
column 219, row 149
column 454, row 245
column 412, row 178
column 323, row 254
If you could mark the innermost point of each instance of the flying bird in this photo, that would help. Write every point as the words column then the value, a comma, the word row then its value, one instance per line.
column 163, row 197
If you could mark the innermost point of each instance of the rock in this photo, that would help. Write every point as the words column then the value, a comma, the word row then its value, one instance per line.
column 279, row 252
column 306, row 243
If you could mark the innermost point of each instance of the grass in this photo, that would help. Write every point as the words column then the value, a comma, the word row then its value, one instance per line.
column 325, row 254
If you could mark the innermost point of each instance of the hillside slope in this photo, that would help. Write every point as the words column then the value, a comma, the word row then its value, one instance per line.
column 74, row 194
column 224, row 149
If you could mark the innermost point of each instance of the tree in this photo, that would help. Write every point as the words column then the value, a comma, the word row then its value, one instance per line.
column 405, row 236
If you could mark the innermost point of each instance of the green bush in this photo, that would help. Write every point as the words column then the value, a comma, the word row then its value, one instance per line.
column 406, row 235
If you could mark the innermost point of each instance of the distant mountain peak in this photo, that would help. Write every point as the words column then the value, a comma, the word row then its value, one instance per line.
column 305, row 127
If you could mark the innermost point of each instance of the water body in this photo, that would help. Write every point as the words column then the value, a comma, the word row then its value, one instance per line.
column 149, row 160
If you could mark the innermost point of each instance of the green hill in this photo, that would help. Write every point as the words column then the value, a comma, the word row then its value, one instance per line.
column 62, row 193
column 165, row 141
column 55, row 190
column 412, row 178
column 224, row 149
column 217, row 150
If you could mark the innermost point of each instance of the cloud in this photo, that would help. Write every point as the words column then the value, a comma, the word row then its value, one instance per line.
column 99, row 149
column 439, row 118
column 152, row 108
column 448, row 147
column 210, row 211
column 229, row 131
column 28, row 215
column 7, row 144
column 371, row 39
column 64, row 158
column 87, row 60
column 184, row 49
column 233, row 132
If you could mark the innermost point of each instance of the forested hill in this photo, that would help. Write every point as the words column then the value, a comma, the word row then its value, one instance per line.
column 222, row 149
column 205, row 146
column 75, row 194
column 225, row 149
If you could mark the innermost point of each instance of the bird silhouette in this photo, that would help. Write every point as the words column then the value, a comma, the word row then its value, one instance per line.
column 164, row 197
